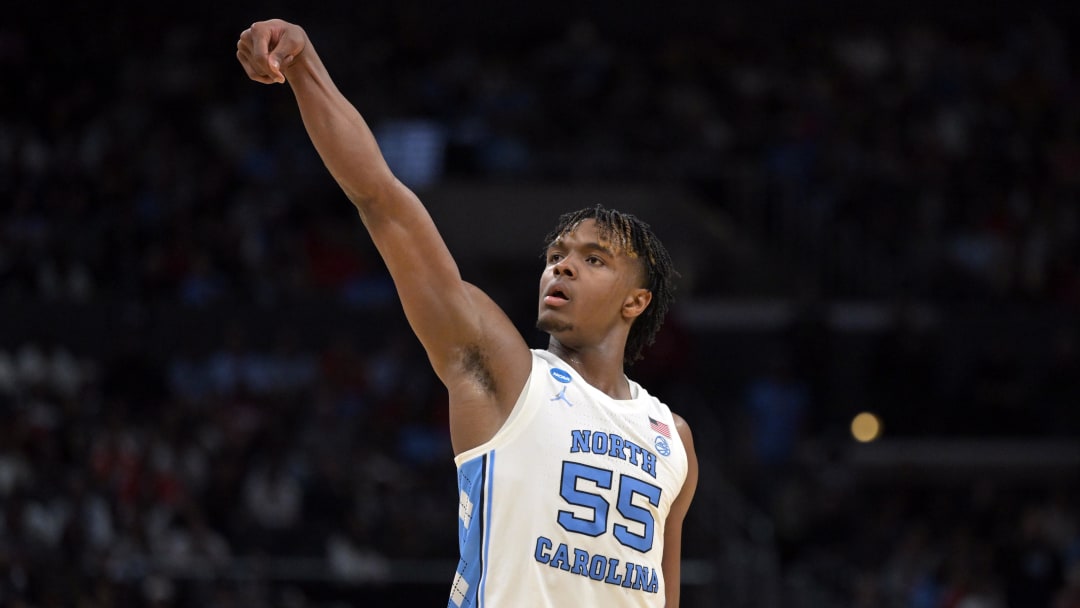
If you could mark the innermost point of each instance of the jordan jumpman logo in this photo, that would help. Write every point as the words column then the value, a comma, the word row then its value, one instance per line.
column 562, row 397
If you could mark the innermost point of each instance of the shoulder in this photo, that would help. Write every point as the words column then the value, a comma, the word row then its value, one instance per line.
column 690, row 483
column 678, row 422
column 683, row 428
column 658, row 405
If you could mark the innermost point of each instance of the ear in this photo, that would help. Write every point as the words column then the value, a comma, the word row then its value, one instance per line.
column 636, row 303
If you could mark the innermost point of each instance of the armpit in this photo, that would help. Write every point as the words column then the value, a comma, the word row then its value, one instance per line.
column 476, row 365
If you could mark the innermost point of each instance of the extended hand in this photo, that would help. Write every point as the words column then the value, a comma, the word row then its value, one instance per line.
column 267, row 47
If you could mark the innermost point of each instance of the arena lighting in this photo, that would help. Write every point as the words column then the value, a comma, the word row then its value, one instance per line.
column 865, row 427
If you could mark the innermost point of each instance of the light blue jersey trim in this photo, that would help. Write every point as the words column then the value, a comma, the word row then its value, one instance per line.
column 473, row 528
column 487, row 520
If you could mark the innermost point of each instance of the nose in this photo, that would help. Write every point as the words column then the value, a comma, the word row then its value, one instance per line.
column 562, row 268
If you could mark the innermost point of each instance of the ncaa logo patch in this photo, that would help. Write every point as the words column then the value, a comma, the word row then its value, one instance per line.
column 561, row 375
column 662, row 446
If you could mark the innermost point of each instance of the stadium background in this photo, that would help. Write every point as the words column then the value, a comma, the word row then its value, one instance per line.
column 209, row 397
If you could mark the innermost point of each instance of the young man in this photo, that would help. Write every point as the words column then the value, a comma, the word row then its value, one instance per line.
column 574, row 482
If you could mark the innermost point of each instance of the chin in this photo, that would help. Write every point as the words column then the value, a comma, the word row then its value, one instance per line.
column 547, row 323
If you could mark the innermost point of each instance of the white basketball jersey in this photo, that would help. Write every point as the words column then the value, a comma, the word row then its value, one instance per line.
column 566, row 504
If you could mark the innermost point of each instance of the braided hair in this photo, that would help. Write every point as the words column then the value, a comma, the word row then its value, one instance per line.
column 629, row 235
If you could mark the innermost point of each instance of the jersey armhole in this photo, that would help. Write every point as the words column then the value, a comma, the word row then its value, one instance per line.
column 519, row 416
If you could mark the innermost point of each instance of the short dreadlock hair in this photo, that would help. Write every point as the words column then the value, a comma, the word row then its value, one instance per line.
column 629, row 235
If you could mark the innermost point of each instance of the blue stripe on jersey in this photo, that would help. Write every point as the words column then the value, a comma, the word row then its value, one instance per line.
column 472, row 532
column 487, row 519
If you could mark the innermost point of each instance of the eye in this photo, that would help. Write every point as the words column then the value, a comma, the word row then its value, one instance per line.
column 594, row 260
column 553, row 258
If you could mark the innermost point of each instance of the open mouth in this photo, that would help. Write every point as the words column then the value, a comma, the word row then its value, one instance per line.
column 556, row 297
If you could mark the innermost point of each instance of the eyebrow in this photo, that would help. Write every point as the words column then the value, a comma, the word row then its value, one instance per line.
column 593, row 246
column 587, row 246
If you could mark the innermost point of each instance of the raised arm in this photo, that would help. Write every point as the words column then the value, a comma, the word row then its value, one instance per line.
column 472, row 345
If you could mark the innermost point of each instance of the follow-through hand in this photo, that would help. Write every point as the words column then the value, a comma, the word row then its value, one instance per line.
column 268, row 47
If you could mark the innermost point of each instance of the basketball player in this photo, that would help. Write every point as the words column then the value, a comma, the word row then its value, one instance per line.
column 574, row 481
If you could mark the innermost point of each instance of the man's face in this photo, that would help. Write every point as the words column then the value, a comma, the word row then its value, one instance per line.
column 584, row 286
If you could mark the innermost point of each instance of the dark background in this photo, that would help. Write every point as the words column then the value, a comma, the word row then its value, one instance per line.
column 209, row 395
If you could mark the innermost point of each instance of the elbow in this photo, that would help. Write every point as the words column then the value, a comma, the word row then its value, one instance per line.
column 371, row 194
column 382, row 199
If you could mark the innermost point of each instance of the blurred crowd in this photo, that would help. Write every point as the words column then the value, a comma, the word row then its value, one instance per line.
column 136, row 468
column 934, row 159
column 908, row 543
column 909, row 535
column 907, row 156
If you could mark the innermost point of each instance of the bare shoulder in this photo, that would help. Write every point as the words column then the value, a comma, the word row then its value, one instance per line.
column 690, row 484
column 684, row 430
column 486, row 373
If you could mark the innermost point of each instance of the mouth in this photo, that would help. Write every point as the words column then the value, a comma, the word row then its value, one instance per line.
column 556, row 297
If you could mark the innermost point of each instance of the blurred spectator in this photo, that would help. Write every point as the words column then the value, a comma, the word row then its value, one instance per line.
column 274, row 498
column 353, row 555
column 776, row 407
column 188, row 542
column 1033, row 569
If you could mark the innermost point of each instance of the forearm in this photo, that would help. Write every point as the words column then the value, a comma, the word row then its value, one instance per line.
column 340, row 134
